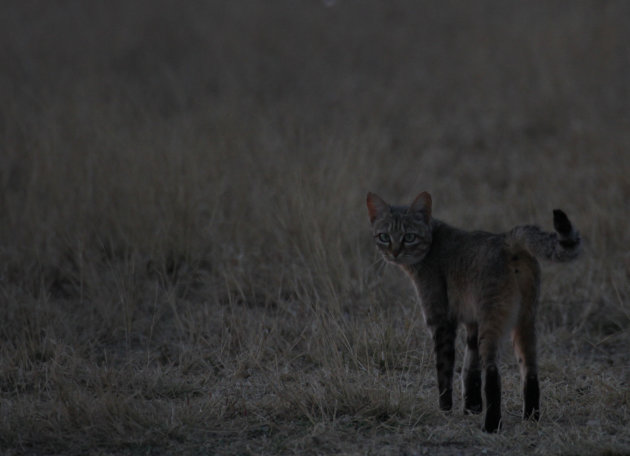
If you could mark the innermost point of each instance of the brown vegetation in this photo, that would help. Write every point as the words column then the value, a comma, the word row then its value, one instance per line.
column 185, row 258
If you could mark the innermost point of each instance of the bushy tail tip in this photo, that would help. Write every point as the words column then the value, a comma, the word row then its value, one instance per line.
column 561, row 222
column 568, row 238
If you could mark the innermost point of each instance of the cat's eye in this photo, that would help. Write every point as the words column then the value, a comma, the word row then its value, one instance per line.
column 410, row 238
column 383, row 238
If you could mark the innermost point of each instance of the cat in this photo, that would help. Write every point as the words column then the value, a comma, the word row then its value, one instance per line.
column 488, row 282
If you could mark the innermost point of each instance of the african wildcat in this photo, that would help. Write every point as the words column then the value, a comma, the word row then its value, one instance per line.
column 488, row 282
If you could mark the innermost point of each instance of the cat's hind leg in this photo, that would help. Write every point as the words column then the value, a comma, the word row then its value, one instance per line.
column 524, row 335
column 489, row 336
column 471, row 374
column 524, row 338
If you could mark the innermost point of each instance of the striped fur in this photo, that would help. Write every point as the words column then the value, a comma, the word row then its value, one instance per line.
column 489, row 282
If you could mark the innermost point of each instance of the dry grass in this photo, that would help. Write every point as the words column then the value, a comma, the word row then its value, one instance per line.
column 185, row 261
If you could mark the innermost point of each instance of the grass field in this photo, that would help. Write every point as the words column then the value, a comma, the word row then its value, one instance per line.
column 186, row 264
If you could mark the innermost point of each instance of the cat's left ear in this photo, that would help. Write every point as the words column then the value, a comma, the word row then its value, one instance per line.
column 422, row 203
column 376, row 206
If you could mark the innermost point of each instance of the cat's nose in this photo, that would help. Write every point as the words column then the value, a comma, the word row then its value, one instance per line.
column 396, row 250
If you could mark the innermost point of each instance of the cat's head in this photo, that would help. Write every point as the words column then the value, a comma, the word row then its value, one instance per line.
column 402, row 233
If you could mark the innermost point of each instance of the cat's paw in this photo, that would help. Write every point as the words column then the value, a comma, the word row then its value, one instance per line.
column 473, row 403
column 492, row 423
column 473, row 408
column 446, row 403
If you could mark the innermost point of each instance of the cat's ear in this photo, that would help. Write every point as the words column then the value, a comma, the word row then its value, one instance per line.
column 376, row 206
column 422, row 203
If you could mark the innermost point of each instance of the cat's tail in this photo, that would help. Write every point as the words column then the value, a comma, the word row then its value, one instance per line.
column 563, row 245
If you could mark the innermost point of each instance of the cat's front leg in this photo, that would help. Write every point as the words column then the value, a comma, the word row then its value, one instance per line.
column 444, row 342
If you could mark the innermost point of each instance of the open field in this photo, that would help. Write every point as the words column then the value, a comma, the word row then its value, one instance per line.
column 186, row 264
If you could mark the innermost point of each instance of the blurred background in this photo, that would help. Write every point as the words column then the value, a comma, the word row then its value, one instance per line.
column 119, row 107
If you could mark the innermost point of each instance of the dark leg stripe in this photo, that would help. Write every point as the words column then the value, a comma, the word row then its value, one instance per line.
column 493, row 400
column 531, row 395
column 444, row 339
column 473, row 402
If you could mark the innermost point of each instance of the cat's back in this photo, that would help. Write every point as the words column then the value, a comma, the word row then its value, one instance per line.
column 466, row 254
column 449, row 240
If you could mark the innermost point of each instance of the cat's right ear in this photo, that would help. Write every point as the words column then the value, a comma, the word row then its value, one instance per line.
column 423, row 204
column 376, row 206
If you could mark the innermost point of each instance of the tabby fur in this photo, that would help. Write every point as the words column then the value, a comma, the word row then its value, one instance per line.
column 489, row 283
